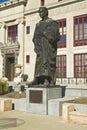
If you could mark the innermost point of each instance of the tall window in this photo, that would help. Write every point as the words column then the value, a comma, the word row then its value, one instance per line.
column 61, row 66
column 27, row 58
column 80, row 65
column 80, row 30
column 12, row 33
column 28, row 30
column 42, row 2
column 62, row 30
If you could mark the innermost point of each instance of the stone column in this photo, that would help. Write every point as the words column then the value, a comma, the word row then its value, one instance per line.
column 2, row 32
column 69, row 45
column 1, row 65
column 2, row 42
column 21, row 40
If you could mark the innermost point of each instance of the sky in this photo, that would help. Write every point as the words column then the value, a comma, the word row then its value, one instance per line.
column 3, row 1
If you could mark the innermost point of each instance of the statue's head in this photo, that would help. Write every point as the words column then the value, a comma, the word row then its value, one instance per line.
column 43, row 12
column 18, row 69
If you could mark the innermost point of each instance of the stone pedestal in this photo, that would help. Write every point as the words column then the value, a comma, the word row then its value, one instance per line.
column 38, row 96
column 5, row 105
column 66, row 109
column 73, row 90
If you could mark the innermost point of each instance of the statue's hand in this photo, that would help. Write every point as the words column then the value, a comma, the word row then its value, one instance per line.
column 37, row 51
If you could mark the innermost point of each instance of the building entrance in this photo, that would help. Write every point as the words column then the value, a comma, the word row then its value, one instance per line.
column 9, row 66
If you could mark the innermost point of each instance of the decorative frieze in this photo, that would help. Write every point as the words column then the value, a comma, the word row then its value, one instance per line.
column 14, row 49
column 10, row 3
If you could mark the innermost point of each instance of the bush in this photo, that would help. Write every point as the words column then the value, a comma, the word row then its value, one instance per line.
column 3, row 86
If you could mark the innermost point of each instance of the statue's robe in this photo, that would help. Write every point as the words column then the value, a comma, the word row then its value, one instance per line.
column 45, row 40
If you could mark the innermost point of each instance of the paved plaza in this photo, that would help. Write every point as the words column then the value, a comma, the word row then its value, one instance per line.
column 27, row 121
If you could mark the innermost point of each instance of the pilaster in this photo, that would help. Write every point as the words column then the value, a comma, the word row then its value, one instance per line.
column 21, row 40
column 70, row 58
column 2, row 32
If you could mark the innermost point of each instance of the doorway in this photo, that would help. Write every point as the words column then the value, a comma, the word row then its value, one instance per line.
column 9, row 66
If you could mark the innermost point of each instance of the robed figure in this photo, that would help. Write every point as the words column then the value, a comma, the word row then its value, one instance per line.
column 46, row 36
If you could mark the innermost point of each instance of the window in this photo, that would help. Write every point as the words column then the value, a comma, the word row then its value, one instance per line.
column 27, row 29
column 80, row 65
column 62, row 30
column 27, row 59
column 80, row 30
column 42, row 2
column 12, row 33
column 61, row 66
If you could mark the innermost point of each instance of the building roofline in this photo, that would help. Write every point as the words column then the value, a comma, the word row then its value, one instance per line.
column 12, row 3
column 55, row 5
column 64, row 3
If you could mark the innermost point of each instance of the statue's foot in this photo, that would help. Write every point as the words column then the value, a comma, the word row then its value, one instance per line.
column 46, row 82
column 52, row 84
column 34, row 82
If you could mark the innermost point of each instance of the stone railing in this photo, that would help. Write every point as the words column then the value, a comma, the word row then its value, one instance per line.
column 71, row 80
column 13, row 40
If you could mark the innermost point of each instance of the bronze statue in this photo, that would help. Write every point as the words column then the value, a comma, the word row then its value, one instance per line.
column 45, row 40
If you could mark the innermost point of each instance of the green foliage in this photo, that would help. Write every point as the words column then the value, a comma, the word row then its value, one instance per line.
column 3, row 86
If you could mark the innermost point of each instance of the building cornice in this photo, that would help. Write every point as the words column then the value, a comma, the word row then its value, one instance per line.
column 12, row 3
column 64, row 3
column 54, row 5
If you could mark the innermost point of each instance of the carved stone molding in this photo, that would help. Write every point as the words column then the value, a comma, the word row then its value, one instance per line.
column 2, row 25
column 11, row 3
column 21, row 20
column 10, row 49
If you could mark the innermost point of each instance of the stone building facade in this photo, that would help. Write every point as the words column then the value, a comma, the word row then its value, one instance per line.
column 17, row 23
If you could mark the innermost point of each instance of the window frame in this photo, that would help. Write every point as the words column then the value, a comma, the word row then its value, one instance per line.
column 61, row 66
column 80, row 65
column 27, row 58
column 12, row 33
column 82, row 41
column 62, row 43
column 27, row 29
column 42, row 2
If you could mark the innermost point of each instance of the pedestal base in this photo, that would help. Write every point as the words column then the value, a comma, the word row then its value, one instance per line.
column 37, row 98
column 5, row 105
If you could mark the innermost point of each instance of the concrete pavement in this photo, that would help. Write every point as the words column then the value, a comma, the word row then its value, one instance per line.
column 39, row 122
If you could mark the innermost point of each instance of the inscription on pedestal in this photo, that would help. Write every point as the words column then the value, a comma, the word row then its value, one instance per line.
column 35, row 96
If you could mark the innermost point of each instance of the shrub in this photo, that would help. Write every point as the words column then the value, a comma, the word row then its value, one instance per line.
column 3, row 86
